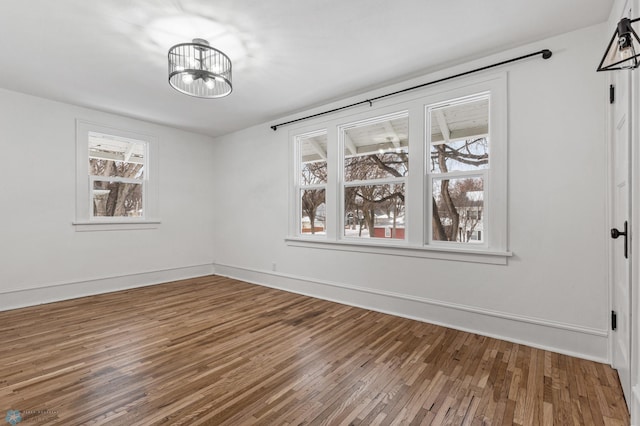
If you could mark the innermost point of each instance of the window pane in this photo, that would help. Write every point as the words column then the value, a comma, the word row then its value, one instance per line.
column 460, row 136
column 117, row 199
column 313, row 159
column 374, row 211
column 458, row 210
column 470, row 154
column 114, row 156
column 377, row 150
column 313, row 215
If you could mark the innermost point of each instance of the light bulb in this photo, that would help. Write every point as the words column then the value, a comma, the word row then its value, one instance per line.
column 210, row 83
column 187, row 78
column 626, row 52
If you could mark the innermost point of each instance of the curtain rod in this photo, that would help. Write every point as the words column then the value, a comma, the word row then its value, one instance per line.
column 546, row 54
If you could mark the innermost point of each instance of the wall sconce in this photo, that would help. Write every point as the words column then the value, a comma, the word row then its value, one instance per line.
column 622, row 52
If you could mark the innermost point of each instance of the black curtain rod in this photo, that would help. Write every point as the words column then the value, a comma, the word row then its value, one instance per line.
column 546, row 54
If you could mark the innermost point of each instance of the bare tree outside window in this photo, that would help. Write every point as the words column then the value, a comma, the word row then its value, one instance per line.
column 362, row 180
column 116, row 170
column 459, row 160
column 376, row 165
column 312, row 151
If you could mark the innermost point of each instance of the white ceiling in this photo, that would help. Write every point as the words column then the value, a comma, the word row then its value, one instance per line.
column 288, row 55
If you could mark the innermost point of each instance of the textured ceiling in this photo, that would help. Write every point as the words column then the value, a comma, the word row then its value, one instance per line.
column 288, row 55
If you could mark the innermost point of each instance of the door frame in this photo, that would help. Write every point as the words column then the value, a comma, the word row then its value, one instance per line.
column 634, row 244
column 624, row 8
column 619, row 269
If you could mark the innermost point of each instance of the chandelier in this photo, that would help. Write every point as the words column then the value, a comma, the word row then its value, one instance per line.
column 197, row 69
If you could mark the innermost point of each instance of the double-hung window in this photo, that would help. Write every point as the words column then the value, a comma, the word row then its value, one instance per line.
column 375, row 170
column 116, row 179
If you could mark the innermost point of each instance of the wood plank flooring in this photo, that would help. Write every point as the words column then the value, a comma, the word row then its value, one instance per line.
column 214, row 351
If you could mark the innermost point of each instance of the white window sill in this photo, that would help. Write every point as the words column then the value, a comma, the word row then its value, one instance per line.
column 428, row 252
column 115, row 225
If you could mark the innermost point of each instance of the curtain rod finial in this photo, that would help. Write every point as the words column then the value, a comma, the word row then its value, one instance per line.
column 274, row 128
column 546, row 54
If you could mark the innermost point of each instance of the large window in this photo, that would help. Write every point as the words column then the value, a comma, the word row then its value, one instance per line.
column 116, row 183
column 422, row 175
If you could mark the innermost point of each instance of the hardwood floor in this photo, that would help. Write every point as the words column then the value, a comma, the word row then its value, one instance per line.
column 218, row 351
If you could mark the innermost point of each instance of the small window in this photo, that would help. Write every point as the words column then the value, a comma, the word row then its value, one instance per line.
column 376, row 167
column 116, row 179
column 312, row 183
column 458, row 166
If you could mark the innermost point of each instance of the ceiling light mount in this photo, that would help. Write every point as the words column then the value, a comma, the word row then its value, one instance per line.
column 197, row 69
column 623, row 49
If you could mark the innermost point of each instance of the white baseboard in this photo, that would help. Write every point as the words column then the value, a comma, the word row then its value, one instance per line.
column 569, row 339
column 582, row 342
column 72, row 290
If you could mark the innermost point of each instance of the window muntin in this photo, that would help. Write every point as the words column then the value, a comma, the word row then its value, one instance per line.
column 375, row 171
column 117, row 176
column 458, row 166
column 311, row 182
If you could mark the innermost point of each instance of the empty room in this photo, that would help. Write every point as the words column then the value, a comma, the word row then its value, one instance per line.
column 319, row 212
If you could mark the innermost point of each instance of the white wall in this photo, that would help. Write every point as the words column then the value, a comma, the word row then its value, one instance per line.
column 43, row 258
column 553, row 293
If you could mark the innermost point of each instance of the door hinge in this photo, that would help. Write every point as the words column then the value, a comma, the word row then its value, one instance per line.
column 614, row 320
column 612, row 94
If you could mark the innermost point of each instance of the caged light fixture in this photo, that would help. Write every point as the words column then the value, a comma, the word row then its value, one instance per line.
column 199, row 70
column 623, row 49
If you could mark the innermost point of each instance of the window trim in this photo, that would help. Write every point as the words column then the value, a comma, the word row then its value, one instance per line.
column 484, row 173
column 85, row 220
column 418, row 205
column 403, row 249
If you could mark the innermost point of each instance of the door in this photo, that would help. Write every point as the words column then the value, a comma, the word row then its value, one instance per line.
column 620, row 232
